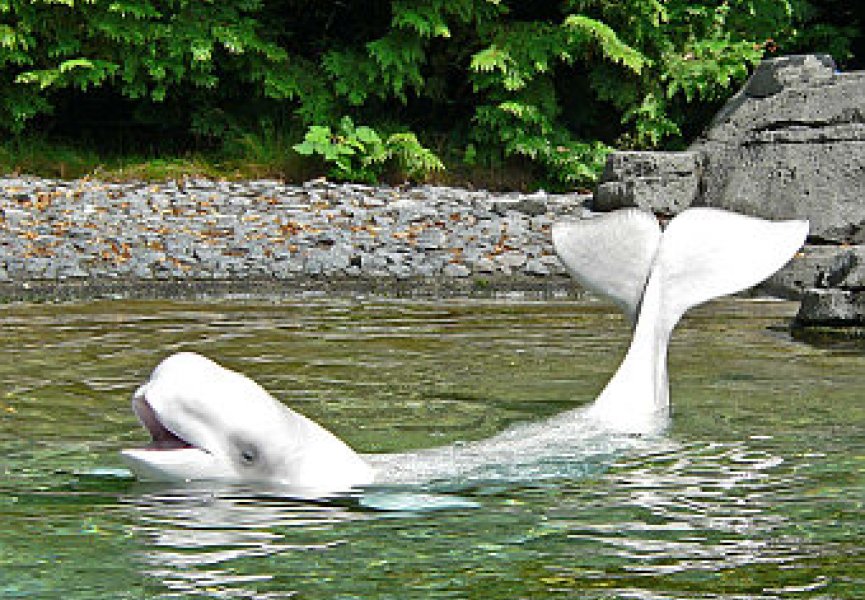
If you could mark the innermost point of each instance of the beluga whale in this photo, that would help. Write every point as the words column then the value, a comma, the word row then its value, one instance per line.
column 207, row 422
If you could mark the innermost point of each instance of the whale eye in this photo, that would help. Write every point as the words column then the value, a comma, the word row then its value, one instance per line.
column 248, row 454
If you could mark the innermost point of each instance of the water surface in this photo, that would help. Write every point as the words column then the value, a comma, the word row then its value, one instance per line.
column 756, row 491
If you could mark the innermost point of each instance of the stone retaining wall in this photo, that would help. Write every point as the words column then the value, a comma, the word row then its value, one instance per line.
column 80, row 233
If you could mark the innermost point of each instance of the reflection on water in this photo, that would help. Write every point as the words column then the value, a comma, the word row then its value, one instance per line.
column 755, row 492
column 193, row 534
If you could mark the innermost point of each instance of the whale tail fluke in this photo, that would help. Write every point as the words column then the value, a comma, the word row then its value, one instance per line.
column 704, row 253
column 611, row 254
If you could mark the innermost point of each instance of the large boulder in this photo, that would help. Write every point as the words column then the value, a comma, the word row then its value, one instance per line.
column 791, row 144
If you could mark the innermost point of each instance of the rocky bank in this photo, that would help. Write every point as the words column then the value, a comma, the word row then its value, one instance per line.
column 790, row 144
column 85, row 238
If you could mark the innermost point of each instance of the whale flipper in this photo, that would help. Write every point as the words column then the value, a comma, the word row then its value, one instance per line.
column 611, row 254
column 704, row 253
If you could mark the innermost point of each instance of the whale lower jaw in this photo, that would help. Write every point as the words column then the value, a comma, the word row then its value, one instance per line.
column 179, row 464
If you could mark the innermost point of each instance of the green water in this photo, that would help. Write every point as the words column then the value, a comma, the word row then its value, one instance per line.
column 756, row 491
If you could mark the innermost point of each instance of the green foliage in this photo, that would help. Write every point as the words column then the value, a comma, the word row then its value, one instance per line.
column 552, row 85
column 360, row 153
column 411, row 159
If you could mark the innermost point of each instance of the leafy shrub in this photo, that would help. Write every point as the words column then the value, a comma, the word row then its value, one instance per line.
column 360, row 154
column 553, row 84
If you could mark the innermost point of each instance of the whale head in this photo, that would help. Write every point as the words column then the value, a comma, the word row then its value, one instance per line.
column 211, row 423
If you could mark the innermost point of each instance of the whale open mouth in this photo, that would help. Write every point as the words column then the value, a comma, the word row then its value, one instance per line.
column 162, row 437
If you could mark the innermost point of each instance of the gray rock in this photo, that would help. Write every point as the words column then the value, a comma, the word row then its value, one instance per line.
column 821, row 182
column 790, row 144
column 14, row 266
column 532, row 250
column 206, row 254
column 373, row 264
column 511, row 260
column 373, row 202
column 142, row 271
column 847, row 270
column 400, row 271
column 484, row 265
column 532, row 205
column 773, row 76
column 568, row 204
column 410, row 211
column 832, row 307
column 394, row 258
column 661, row 182
column 456, row 270
column 541, row 223
column 515, row 225
column 317, row 262
column 74, row 271
column 13, row 216
column 426, row 270
column 432, row 239
column 536, row 267
column 811, row 267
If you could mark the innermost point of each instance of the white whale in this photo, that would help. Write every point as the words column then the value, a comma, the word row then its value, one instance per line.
column 210, row 423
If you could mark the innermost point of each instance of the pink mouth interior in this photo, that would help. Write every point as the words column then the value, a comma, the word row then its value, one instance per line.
column 163, row 438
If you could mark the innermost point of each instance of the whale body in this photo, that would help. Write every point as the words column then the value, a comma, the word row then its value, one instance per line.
column 208, row 422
